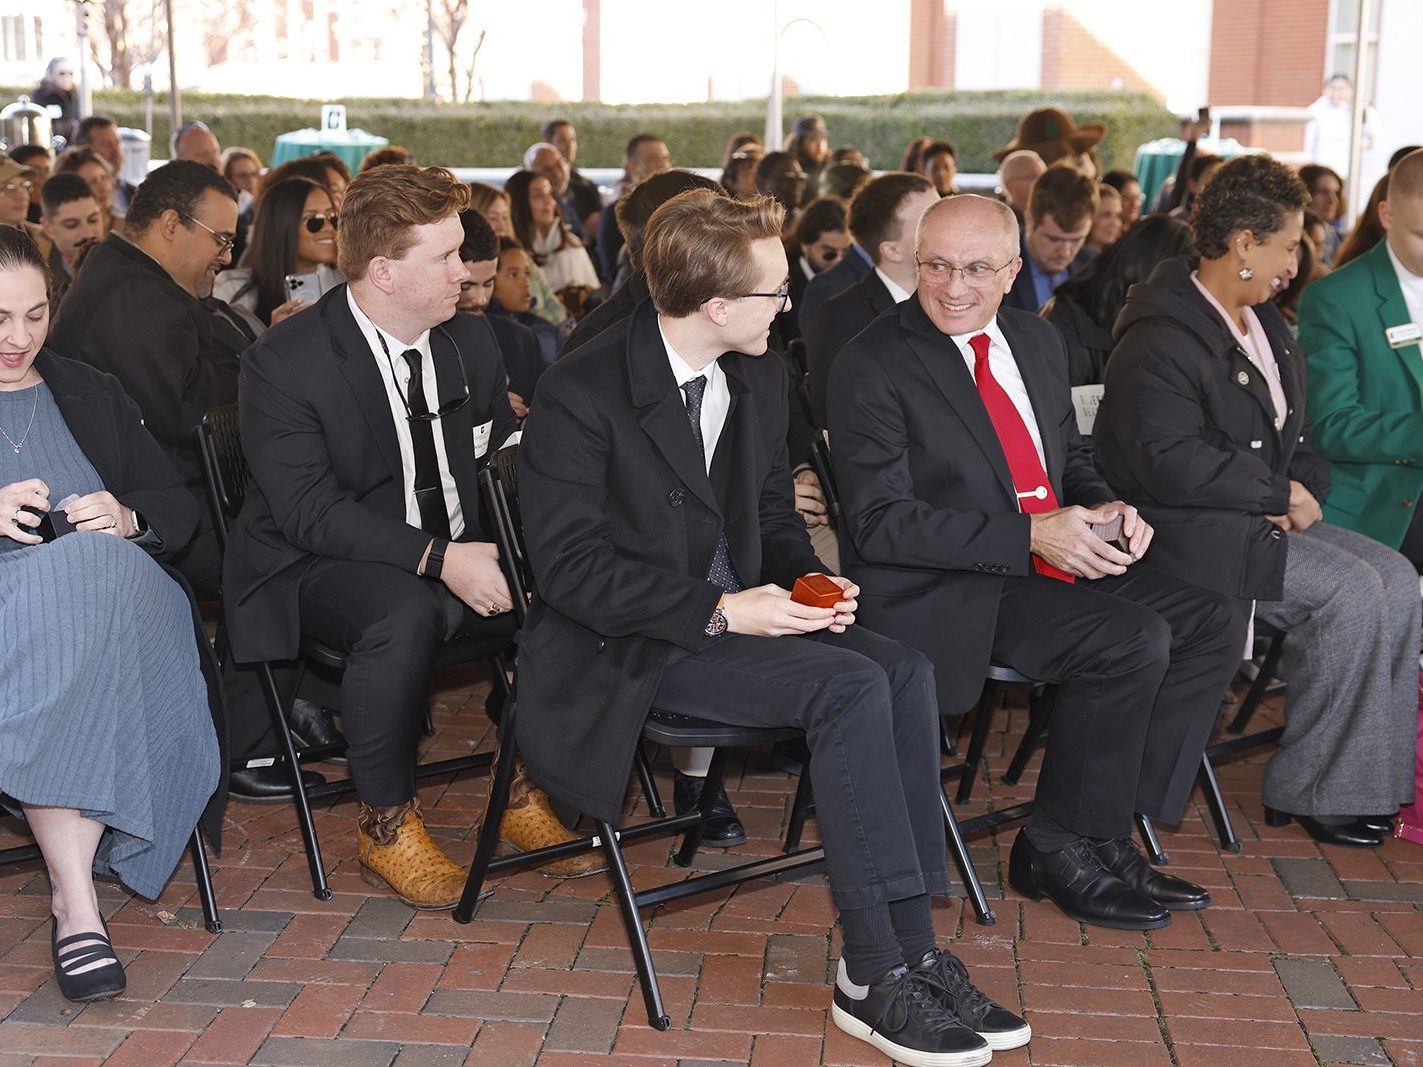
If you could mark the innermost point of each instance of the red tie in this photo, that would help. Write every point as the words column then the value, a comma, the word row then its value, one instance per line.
column 1029, row 479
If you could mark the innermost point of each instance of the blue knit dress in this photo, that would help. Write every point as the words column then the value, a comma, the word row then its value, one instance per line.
column 102, row 702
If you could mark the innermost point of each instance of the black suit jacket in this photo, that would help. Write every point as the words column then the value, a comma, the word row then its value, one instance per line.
column 319, row 435
column 851, row 268
column 622, row 520
column 125, row 314
column 519, row 347
column 930, row 523
column 1023, row 296
column 837, row 322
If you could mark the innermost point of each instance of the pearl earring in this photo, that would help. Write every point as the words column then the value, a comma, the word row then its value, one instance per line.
column 1245, row 274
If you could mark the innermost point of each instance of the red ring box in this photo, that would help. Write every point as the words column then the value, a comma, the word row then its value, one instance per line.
column 817, row 591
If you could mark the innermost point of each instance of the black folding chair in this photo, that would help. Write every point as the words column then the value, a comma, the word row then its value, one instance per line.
column 226, row 477
column 499, row 484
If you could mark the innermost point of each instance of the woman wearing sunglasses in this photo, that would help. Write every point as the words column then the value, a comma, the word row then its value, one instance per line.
column 294, row 233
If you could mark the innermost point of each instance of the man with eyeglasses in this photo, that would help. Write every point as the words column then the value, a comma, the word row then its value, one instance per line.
column 15, row 184
column 1062, row 207
column 976, row 524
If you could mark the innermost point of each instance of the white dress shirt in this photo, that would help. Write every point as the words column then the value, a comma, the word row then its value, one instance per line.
column 396, row 387
column 897, row 292
column 716, row 400
column 1412, row 286
column 1006, row 373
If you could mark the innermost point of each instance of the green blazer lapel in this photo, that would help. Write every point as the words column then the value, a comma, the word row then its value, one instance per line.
column 1393, row 311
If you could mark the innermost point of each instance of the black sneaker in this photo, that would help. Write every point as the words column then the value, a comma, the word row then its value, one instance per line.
column 967, row 1003
column 903, row 1016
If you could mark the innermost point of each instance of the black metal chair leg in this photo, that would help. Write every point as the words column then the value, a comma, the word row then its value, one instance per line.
column 693, row 839
column 1154, row 853
column 959, row 850
column 273, row 697
column 800, row 811
column 1216, row 803
column 657, row 1016
column 1256, row 693
column 498, row 803
column 974, row 759
column 649, row 784
column 203, row 874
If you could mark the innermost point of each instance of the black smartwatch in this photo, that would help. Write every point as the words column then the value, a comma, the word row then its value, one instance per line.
column 435, row 560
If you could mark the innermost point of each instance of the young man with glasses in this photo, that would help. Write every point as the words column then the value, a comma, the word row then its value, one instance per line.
column 657, row 502
column 364, row 420
column 969, row 517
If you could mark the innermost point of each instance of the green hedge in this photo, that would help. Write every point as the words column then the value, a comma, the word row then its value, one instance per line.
column 496, row 134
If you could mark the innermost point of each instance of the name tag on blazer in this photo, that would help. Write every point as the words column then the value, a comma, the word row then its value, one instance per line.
column 1410, row 333
column 1086, row 399
column 481, row 438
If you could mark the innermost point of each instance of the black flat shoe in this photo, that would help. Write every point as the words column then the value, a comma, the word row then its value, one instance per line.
column 1075, row 879
column 267, row 785
column 1382, row 823
column 100, row 983
column 314, row 726
column 1355, row 834
column 1121, row 857
column 723, row 829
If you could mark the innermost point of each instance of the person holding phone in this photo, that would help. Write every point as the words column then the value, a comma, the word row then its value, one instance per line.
column 292, row 258
column 108, row 747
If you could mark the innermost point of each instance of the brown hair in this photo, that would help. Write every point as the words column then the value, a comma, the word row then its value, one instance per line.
column 873, row 210
column 1252, row 193
column 482, row 197
column 383, row 206
column 1367, row 231
column 383, row 157
column 1066, row 194
column 698, row 246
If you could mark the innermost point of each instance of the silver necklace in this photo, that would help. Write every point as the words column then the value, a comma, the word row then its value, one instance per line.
column 18, row 445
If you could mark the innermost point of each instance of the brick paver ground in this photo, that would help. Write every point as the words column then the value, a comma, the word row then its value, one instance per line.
column 1308, row 954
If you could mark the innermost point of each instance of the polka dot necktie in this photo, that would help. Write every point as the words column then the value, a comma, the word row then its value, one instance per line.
column 722, row 573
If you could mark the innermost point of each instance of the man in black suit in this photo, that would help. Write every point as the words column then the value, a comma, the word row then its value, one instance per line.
column 656, row 497
column 1061, row 209
column 523, row 359
column 364, row 419
column 884, row 219
column 853, row 265
column 968, row 501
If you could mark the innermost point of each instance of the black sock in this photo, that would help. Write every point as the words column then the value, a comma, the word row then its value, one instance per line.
column 913, row 927
column 1046, row 834
column 871, row 949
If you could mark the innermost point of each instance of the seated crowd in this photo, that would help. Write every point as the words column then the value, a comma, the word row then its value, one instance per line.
column 1254, row 463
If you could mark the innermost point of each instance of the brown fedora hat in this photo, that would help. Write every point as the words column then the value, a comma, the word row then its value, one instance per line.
column 1051, row 133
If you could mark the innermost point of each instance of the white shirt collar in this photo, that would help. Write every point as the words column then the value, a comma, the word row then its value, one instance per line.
column 897, row 292
column 372, row 333
column 806, row 268
column 1406, row 278
column 995, row 337
column 682, row 371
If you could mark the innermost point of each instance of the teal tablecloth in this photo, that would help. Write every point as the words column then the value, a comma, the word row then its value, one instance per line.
column 352, row 145
column 1157, row 160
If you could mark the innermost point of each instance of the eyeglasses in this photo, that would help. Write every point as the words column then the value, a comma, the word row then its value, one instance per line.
column 316, row 223
column 781, row 295
column 449, row 407
column 224, row 243
column 975, row 275
column 16, row 186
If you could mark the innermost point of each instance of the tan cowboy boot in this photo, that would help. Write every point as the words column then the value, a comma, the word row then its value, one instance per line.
column 529, row 823
column 397, row 852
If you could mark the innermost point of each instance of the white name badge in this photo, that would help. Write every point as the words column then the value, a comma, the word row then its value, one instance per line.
column 1085, row 400
column 1410, row 333
column 481, row 438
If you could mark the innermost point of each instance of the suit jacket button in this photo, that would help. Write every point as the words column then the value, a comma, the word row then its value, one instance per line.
column 1408, row 503
column 1277, row 533
column 601, row 644
column 675, row 497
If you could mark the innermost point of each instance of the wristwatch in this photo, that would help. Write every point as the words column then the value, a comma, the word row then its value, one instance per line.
column 140, row 527
column 435, row 560
column 716, row 626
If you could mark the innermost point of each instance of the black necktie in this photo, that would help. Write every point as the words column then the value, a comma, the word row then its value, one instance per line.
column 429, row 488
column 722, row 573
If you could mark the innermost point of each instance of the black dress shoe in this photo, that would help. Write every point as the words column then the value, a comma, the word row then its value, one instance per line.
column 1355, row 833
column 80, row 950
column 723, row 829
column 267, row 785
column 1075, row 879
column 314, row 727
column 1121, row 857
column 1382, row 823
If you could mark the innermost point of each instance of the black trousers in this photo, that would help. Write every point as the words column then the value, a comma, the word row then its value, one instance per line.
column 1142, row 660
column 871, row 720
column 390, row 625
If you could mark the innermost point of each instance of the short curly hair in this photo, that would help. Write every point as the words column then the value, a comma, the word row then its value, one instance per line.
column 1252, row 193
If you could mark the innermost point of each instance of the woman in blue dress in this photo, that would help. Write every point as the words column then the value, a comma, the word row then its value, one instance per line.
column 107, row 746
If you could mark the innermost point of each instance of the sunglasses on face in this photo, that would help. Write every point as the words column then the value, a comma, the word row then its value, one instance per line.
column 317, row 223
